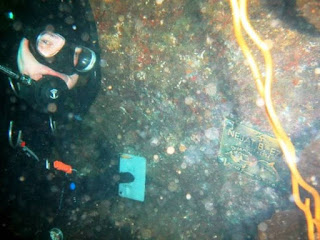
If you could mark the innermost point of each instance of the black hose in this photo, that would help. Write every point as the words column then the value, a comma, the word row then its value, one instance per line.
column 24, row 79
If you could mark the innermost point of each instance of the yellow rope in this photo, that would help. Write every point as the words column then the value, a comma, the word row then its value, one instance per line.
column 240, row 20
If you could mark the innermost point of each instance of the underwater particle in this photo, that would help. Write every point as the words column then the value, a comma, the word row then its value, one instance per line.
column 269, row 43
column 17, row 26
column 203, row 10
column 263, row 227
column 85, row 37
column 209, row 40
column 13, row 99
column 103, row 63
column 170, row 150
column 154, row 142
column 69, row 20
column 209, row 206
column 173, row 40
column 159, row 2
column 116, row 178
column 119, row 136
column 172, row 187
column 85, row 198
column 146, row 233
column 121, row 18
column 260, row 102
column 22, row 178
column 317, row 71
column 84, row 216
column 183, row 165
column 148, row 111
column 52, row 107
column 182, row 147
column 156, row 158
column 141, row 75
column 50, row 177
column 211, row 133
column 291, row 198
column 54, row 189
column 211, row 89
column 313, row 180
column 70, row 116
column 188, row 100
column 275, row 23
column 188, row 196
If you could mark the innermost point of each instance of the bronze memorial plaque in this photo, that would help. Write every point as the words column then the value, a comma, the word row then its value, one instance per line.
column 249, row 151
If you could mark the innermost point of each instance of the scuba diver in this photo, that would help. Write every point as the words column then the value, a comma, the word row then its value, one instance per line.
column 50, row 76
column 50, row 65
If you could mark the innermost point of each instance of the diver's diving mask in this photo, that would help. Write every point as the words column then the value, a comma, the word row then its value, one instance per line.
column 48, row 44
column 54, row 65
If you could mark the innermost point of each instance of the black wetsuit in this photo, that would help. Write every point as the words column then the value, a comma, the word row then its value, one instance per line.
column 27, row 18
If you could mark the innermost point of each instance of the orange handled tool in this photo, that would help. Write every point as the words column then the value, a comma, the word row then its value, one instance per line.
column 62, row 167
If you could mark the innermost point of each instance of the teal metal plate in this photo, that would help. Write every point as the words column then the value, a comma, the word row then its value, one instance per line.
column 137, row 167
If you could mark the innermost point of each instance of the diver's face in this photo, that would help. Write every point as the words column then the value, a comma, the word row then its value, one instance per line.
column 49, row 44
column 28, row 65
